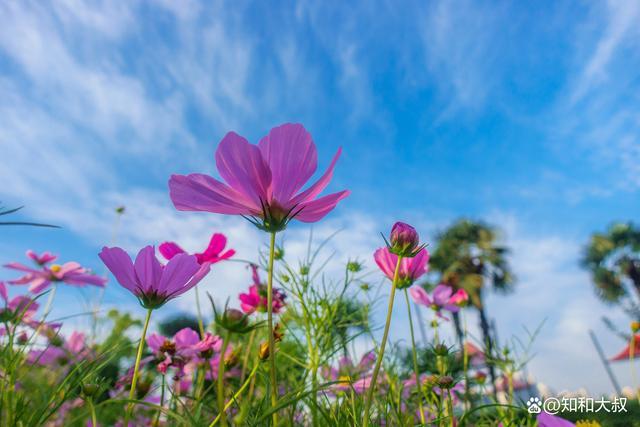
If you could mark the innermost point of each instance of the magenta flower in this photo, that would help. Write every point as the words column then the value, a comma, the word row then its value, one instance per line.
column 212, row 254
column 184, row 348
column 410, row 268
column 40, row 278
column 262, row 182
column 547, row 420
column 441, row 300
column 151, row 282
column 256, row 299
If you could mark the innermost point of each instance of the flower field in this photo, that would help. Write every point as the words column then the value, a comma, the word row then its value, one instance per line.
column 282, row 353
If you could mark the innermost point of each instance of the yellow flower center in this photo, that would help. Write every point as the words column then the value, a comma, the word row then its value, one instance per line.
column 55, row 268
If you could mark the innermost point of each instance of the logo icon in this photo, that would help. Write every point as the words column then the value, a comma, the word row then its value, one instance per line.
column 534, row 405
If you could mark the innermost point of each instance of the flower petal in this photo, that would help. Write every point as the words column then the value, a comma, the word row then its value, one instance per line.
column 148, row 269
column 418, row 264
column 292, row 158
column 420, row 296
column 441, row 294
column 386, row 261
column 180, row 269
column 317, row 209
column 242, row 166
column 121, row 266
column 199, row 192
column 314, row 190
column 169, row 249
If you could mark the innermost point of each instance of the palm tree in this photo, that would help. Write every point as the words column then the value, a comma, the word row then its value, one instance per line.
column 613, row 258
column 469, row 257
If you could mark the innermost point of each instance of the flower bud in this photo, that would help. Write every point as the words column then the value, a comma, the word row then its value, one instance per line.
column 403, row 240
column 263, row 353
column 354, row 266
column 278, row 253
column 635, row 326
column 90, row 389
column 445, row 381
column 481, row 377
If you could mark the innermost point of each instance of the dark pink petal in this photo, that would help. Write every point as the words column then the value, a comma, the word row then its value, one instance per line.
column 420, row 296
column 148, row 269
column 386, row 261
column 177, row 273
column 198, row 192
column 418, row 264
column 292, row 158
column 169, row 249
column 121, row 266
column 317, row 209
column 3, row 292
column 242, row 166
column 314, row 190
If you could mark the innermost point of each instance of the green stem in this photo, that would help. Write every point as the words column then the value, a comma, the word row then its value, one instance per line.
column 385, row 335
column 92, row 409
column 235, row 396
column 415, row 357
column 157, row 421
column 199, row 312
column 136, row 367
column 220, row 390
column 272, row 352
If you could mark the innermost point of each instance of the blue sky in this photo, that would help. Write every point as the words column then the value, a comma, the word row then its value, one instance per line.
column 527, row 118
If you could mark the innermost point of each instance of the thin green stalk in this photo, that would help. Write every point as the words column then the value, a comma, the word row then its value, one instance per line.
column 385, row 335
column 415, row 358
column 136, row 367
column 236, row 396
column 157, row 420
column 272, row 350
column 220, row 390
column 92, row 410
column 450, row 408
column 199, row 312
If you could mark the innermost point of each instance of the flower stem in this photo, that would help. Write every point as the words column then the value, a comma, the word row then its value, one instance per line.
column 199, row 312
column 92, row 410
column 235, row 396
column 415, row 357
column 385, row 335
column 272, row 352
column 136, row 367
column 220, row 390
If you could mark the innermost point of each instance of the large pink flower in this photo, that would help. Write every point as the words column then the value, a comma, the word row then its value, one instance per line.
column 213, row 253
column 410, row 268
column 41, row 277
column 262, row 181
column 256, row 298
column 154, row 283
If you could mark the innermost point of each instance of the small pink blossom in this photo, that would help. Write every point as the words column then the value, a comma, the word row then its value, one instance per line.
column 256, row 298
column 441, row 300
column 212, row 254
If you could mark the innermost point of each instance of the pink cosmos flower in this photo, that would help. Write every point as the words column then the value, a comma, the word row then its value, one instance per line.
column 212, row 254
column 442, row 299
column 263, row 181
column 547, row 420
column 410, row 268
column 184, row 348
column 256, row 299
column 151, row 282
column 40, row 278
